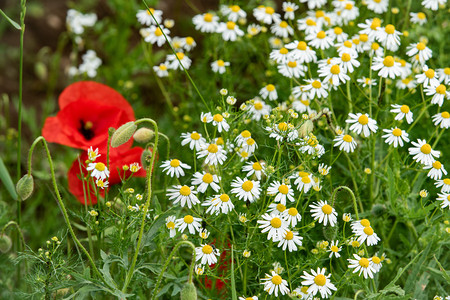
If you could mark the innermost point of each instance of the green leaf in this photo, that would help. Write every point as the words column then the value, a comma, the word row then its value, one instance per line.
column 391, row 188
column 6, row 179
column 233, row 281
column 17, row 26
column 154, row 228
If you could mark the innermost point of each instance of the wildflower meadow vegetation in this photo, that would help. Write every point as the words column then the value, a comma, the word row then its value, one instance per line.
column 232, row 150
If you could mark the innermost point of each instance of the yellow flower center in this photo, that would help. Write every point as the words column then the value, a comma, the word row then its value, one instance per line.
column 305, row 102
column 346, row 57
column 320, row 280
column 292, row 64
column 284, row 51
column 365, row 222
column 363, row 37
column 246, row 134
column 235, row 8
column 421, row 16
column 171, row 225
column 420, row 46
column 224, row 198
column 292, row 211
column 207, row 249
column 269, row 10
column 284, row 189
column 302, row 46
column 348, row 6
column 270, row 87
column 310, row 22
column 363, row 120
column 257, row 166
column 158, row 32
column 397, row 132
column 207, row 178
column 447, row 71
column 283, row 24
column 425, row 149
column 389, row 29
column 375, row 46
column 364, row 262
column 220, row 63
column 321, row 34
column 368, row 230
column 289, row 235
column 388, row 61
column 150, row 11
column 304, row 289
column 303, row 174
column 174, row 163
column 334, row 249
column 277, row 279
column 180, row 55
column 220, row 141
column 375, row 23
column 327, row 209
column 348, row 44
column 445, row 115
column 231, row 25
column 376, row 260
column 283, row 126
column 218, row 118
column 320, row 13
column 306, row 179
column 355, row 41
column 247, row 186
column 337, row 30
column 189, row 40
column 446, row 181
column 404, row 109
column 100, row 167
column 275, row 222
column 316, row 84
column 347, row 138
column 429, row 73
column 437, row 165
column 213, row 148
column 441, row 89
column 195, row 136
column 335, row 70
column 188, row 219
column 244, row 154
column 258, row 106
column 281, row 207
column 163, row 67
column 208, row 17
column 185, row 190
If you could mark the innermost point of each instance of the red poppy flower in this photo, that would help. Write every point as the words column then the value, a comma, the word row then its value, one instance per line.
column 118, row 157
column 87, row 110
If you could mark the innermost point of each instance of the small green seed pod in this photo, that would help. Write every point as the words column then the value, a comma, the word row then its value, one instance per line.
column 5, row 243
column 143, row 135
column 25, row 186
column 189, row 292
column 146, row 158
column 123, row 134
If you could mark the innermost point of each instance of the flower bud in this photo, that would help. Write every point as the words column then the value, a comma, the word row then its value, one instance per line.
column 143, row 135
column 146, row 158
column 123, row 134
column 25, row 186
column 189, row 292
column 5, row 243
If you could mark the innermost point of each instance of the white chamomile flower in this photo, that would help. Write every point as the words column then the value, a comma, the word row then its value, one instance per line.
column 292, row 69
column 402, row 111
column 345, row 142
column 433, row 4
column 423, row 153
column 199, row 269
column 189, row 43
column 428, row 77
column 274, row 283
column 154, row 35
column 93, row 154
column 389, row 37
column 378, row 6
column 333, row 73
column 275, row 225
column 161, row 70
column 323, row 169
column 282, row 131
column 206, row 254
column 445, row 198
column 175, row 59
column 259, row 109
column 102, row 183
column 266, row 14
column 291, row 216
column 230, row 31
column 174, row 167
column 444, row 184
column 375, row 261
column 361, row 123
column 281, row 191
column 418, row 18
column 220, row 122
column 99, row 170
column 362, row 265
column 242, row 137
column 387, row 67
column 233, row 12
column 347, row 47
column 194, row 139
column 257, row 168
column 206, row 22
column 442, row 119
column 276, row 209
column 280, row 56
column 319, row 40
column 420, row 49
column 276, row 42
column 289, row 8
column 170, row 224
column 282, row 29
column 395, row 136
column 301, row 52
column 334, row 249
column 406, row 83
column 324, row 212
column 304, row 181
column 269, row 91
column 437, row 170
column 318, row 282
column 219, row 66
column 222, row 203
column 444, row 75
column 337, row 34
column 363, row 231
column 370, row 27
column 253, row 29
column 439, row 93
column 205, row 179
column 183, row 194
column 145, row 16
column 215, row 154
column 206, row 117
column 193, row 224
column 348, row 62
column 290, row 240
column 315, row 87
column 246, row 190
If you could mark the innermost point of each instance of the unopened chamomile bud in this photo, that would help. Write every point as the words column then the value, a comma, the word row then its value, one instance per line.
column 189, row 292
column 123, row 134
column 306, row 128
column 25, row 186
column 5, row 243
column 143, row 135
